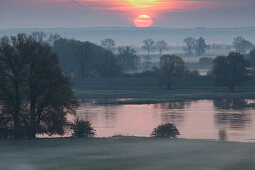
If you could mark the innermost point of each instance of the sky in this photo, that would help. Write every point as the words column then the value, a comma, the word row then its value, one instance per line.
column 126, row 13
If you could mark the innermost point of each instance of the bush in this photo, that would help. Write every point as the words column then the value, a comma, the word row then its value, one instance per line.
column 167, row 130
column 82, row 128
column 222, row 135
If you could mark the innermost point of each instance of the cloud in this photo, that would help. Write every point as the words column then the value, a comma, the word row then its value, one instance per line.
column 154, row 7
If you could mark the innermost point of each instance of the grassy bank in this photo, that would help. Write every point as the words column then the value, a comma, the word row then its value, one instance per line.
column 145, row 91
column 125, row 153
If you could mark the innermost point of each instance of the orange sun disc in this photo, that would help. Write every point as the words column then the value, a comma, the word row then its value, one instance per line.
column 143, row 21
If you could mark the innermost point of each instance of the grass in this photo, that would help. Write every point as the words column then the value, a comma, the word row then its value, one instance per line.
column 125, row 153
column 145, row 91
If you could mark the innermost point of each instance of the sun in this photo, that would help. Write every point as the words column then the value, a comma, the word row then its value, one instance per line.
column 143, row 21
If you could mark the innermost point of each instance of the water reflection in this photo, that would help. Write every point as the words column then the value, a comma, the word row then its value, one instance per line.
column 172, row 105
column 233, row 120
column 200, row 119
column 230, row 103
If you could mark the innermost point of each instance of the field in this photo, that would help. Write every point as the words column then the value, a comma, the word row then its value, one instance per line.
column 125, row 153
column 146, row 91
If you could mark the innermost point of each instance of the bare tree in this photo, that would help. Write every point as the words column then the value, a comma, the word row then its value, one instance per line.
column 148, row 45
column 161, row 45
column 108, row 43
column 127, row 58
column 189, row 44
column 39, row 36
column 147, row 61
column 44, row 38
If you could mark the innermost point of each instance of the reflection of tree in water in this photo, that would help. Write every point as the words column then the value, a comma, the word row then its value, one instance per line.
column 110, row 115
column 172, row 105
column 230, row 103
column 99, row 113
column 172, row 117
column 168, row 116
column 233, row 120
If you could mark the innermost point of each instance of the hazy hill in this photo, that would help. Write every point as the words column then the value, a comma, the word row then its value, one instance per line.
column 132, row 35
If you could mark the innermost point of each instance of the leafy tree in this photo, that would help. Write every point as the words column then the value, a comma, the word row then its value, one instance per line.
column 127, row 58
column 148, row 45
column 167, row 130
column 241, row 45
column 189, row 45
column 86, row 59
column 200, row 46
column 172, row 70
column 161, row 46
column 251, row 57
column 82, row 128
column 108, row 43
column 35, row 95
column 83, row 57
column 11, row 79
column 230, row 71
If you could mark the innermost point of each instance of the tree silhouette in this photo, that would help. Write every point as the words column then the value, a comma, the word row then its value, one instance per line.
column 200, row 46
column 161, row 46
column 108, row 43
column 35, row 95
column 230, row 71
column 189, row 45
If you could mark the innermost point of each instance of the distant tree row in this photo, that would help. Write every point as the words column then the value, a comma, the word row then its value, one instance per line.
column 230, row 71
column 191, row 46
column 86, row 59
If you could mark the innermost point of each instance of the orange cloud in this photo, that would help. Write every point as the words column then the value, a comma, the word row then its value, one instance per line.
column 152, row 8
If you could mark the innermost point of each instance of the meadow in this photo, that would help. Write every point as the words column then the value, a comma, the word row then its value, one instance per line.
column 125, row 153
column 148, row 91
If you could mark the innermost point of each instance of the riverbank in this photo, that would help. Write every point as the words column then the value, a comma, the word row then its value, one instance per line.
column 133, row 91
column 125, row 153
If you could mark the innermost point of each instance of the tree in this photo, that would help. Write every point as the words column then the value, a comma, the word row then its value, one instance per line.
column 42, row 37
column 161, row 46
column 251, row 57
column 108, row 43
column 147, row 61
column 86, row 59
column 200, row 46
column 241, row 45
column 83, row 55
column 172, row 70
column 11, row 80
column 127, row 58
column 167, row 130
column 35, row 95
column 189, row 45
column 148, row 45
column 230, row 71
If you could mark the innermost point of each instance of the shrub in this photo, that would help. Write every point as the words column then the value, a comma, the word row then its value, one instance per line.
column 167, row 130
column 222, row 135
column 82, row 128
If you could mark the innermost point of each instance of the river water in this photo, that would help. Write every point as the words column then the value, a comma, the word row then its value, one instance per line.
column 200, row 119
